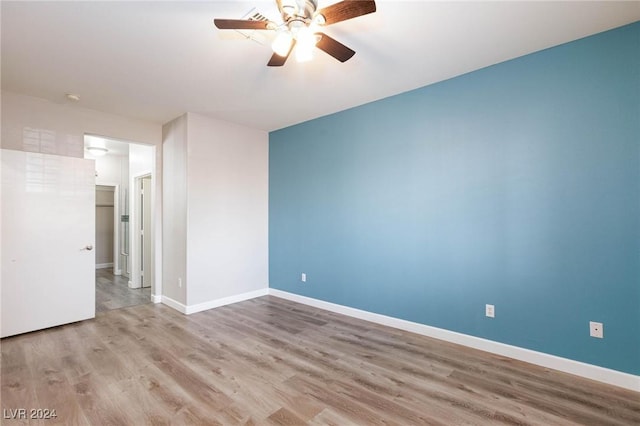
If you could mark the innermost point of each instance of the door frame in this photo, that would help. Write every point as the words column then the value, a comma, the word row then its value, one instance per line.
column 156, row 211
column 134, row 231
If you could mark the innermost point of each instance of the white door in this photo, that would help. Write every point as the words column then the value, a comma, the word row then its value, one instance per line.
column 48, row 220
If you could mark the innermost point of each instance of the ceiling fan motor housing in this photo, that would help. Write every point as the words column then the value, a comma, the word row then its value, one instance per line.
column 299, row 9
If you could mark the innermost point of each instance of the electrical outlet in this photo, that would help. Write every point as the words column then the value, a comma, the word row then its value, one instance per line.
column 303, row 277
column 490, row 311
column 596, row 329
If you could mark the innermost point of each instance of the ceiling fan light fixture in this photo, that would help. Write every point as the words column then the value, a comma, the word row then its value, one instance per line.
column 318, row 20
column 306, row 42
column 282, row 43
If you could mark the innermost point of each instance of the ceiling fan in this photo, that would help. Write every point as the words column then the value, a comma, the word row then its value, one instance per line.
column 301, row 28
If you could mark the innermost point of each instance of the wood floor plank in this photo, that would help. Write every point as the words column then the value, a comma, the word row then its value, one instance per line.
column 98, row 404
column 272, row 361
column 18, row 391
column 341, row 367
column 285, row 417
column 113, row 292
column 329, row 417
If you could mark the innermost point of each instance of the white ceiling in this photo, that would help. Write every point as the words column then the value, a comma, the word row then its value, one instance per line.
column 157, row 60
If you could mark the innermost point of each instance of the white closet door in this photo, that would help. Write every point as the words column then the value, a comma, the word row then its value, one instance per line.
column 48, row 222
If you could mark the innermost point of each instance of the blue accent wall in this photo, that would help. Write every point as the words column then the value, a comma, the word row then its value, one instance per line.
column 516, row 185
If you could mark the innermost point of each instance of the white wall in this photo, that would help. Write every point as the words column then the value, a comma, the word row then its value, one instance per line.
column 215, row 211
column 174, row 221
column 37, row 125
column 140, row 159
column 227, row 179
column 111, row 170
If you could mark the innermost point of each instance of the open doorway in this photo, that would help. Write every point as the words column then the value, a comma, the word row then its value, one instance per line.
column 106, row 225
column 119, row 253
column 111, row 251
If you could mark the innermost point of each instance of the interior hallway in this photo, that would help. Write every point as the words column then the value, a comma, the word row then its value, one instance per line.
column 113, row 292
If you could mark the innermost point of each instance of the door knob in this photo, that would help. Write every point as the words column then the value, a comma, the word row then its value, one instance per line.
column 89, row 247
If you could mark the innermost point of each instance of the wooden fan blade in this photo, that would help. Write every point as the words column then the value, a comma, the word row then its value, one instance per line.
column 334, row 48
column 279, row 4
column 241, row 24
column 347, row 9
column 277, row 60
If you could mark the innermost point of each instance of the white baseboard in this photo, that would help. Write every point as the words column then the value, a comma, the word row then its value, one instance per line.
column 156, row 298
column 104, row 265
column 174, row 304
column 199, row 307
column 589, row 371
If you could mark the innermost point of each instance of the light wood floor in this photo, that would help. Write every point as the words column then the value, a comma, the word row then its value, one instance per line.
column 113, row 292
column 271, row 361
